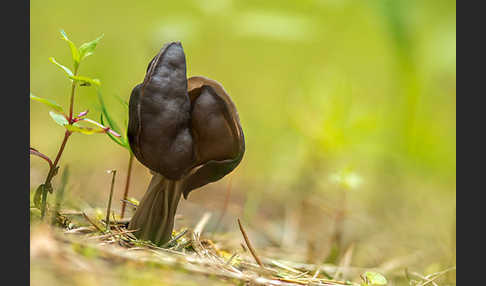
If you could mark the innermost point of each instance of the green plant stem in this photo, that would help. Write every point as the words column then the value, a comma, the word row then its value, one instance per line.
column 71, row 103
column 53, row 168
column 127, row 184
column 52, row 171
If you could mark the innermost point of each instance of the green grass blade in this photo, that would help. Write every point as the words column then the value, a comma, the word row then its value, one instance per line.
column 105, row 114
column 120, row 141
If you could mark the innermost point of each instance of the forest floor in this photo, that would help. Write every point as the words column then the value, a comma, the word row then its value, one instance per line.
column 89, row 253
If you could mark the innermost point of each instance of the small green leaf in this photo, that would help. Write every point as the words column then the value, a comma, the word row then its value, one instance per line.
column 74, row 50
column 83, row 130
column 371, row 278
column 68, row 71
column 85, row 81
column 59, row 118
column 118, row 140
column 47, row 102
column 87, row 49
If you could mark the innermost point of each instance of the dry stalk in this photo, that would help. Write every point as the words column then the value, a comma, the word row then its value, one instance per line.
column 202, row 223
column 175, row 238
column 250, row 247
column 345, row 262
column 109, row 200
column 92, row 222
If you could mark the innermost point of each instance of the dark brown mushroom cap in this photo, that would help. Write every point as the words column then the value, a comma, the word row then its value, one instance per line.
column 215, row 125
column 186, row 130
column 159, row 115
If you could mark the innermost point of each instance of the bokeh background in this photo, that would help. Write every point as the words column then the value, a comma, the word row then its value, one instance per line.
column 348, row 109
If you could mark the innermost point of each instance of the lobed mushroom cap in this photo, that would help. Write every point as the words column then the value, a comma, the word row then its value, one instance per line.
column 159, row 115
column 184, row 129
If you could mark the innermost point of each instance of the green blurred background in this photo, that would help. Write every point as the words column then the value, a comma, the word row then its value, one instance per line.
column 348, row 110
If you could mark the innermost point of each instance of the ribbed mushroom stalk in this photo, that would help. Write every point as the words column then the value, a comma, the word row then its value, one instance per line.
column 186, row 131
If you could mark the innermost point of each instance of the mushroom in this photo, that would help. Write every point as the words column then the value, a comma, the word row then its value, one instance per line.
column 186, row 131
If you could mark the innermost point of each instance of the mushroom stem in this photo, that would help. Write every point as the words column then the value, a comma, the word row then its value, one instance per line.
column 154, row 217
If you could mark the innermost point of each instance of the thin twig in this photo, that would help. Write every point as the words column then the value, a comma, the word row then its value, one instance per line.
column 437, row 275
column 91, row 222
column 82, row 229
column 250, row 247
column 109, row 200
column 283, row 266
column 318, row 270
column 230, row 259
column 113, row 234
column 300, row 275
column 345, row 262
column 129, row 202
column 70, row 212
column 423, row 278
column 175, row 238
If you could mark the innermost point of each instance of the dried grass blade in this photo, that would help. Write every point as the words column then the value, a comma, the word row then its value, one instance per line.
column 250, row 247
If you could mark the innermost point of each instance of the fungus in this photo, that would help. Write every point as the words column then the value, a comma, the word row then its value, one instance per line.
column 186, row 131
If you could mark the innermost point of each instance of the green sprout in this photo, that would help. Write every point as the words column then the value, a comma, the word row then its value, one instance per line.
column 72, row 123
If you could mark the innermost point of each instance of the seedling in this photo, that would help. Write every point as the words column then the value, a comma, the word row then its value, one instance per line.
column 72, row 123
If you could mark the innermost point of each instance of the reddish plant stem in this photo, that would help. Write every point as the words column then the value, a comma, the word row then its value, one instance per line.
column 67, row 133
column 127, row 185
column 52, row 171
column 64, row 141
